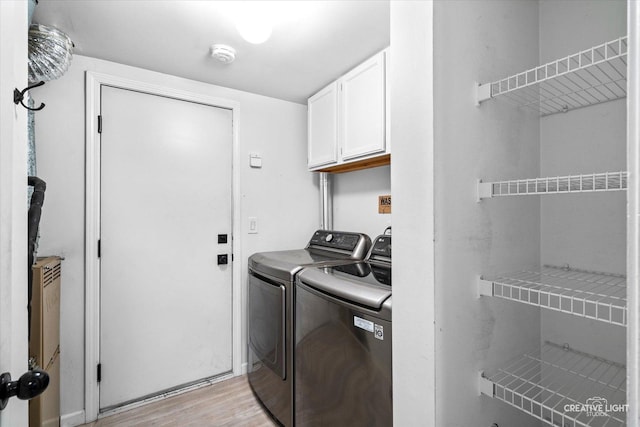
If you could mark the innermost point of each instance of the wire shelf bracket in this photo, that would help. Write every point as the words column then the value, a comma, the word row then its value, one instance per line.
column 562, row 387
column 594, row 182
column 593, row 295
column 485, row 386
column 589, row 77
column 485, row 288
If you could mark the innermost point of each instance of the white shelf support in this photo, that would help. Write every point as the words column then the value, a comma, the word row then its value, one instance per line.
column 483, row 92
column 597, row 296
column 485, row 288
column 585, row 183
column 485, row 190
column 485, row 386
column 555, row 383
column 589, row 77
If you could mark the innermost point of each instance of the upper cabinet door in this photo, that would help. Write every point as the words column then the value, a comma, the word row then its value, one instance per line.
column 363, row 111
column 323, row 127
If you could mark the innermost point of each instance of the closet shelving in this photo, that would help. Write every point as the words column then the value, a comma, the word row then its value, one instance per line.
column 606, row 181
column 556, row 383
column 543, row 383
column 592, row 76
column 581, row 293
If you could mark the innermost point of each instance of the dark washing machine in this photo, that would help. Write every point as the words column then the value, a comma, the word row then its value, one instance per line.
column 270, row 312
column 343, row 343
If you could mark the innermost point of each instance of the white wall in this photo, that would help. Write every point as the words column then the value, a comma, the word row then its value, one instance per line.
column 282, row 194
column 585, row 231
column 13, row 204
column 355, row 200
column 481, row 41
column 412, row 186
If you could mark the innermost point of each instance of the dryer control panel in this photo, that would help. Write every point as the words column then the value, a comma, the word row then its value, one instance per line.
column 381, row 250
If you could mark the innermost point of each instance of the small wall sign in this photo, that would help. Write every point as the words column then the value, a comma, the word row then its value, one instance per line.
column 384, row 204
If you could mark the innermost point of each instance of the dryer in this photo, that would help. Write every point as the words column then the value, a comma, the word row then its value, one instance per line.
column 270, row 306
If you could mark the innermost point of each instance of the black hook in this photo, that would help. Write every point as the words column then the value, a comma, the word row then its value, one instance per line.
column 18, row 97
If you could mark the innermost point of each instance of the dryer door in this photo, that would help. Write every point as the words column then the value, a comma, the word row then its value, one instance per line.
column 266, row 306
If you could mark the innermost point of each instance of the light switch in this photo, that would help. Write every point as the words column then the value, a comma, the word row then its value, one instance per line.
column 253, row 225
column 255, row 160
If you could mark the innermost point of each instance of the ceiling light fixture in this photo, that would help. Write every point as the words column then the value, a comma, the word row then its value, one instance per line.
column 223, row 53
column 254, row 29
column 254, row 20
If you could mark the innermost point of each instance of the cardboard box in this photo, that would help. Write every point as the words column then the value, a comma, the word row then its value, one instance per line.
column 44, row 410
column 44, row 343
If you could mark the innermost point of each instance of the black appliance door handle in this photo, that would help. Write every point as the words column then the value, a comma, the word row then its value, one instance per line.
column 29, row 385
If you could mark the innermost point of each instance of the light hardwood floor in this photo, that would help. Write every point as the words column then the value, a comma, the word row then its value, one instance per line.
column 224, row 404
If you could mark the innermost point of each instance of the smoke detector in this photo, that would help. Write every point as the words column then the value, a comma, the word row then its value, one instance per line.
column 223, row 53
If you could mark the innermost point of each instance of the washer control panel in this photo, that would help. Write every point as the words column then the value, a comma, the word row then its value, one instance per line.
column 353, row 243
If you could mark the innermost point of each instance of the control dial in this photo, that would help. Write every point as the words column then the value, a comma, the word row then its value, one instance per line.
column 328, row 238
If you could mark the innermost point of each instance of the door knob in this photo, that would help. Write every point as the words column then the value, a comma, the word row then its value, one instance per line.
column 29, row 385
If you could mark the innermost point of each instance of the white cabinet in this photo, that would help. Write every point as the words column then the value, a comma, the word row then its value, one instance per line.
column 323, row 127
column 348, row 120
column 363, row 109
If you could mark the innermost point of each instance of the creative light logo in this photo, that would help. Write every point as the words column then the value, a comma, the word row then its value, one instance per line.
column 596, row 407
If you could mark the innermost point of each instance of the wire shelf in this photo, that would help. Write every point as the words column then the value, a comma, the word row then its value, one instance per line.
column 593, row 295
column 606, row 181
column 592, row 76
column 562, row 387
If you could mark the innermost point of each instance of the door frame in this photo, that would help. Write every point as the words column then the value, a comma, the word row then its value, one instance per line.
column 93, row 82
column 633, row 215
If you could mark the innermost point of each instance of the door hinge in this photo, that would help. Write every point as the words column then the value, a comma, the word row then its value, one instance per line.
column 99, row 372
column 99, row 248
column 100, row 124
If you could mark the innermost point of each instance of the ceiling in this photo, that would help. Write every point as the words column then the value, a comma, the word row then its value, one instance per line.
column 312, row 43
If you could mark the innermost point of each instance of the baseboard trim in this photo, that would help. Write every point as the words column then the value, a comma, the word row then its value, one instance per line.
column 73, row 419
column 244, row 368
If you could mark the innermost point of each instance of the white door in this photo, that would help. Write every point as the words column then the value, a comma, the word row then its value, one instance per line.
column 13, row 206
column 165, row 303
